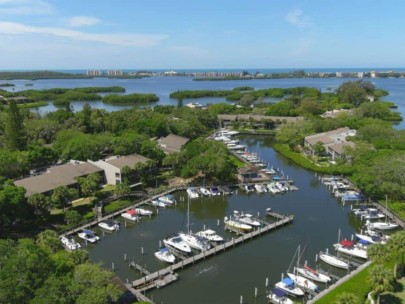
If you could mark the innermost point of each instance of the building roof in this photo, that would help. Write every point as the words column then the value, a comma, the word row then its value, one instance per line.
column 328, row 137
column 172, row 143
column 128, row 160
column 245, row 117
column 63, row 175
column 339, row 147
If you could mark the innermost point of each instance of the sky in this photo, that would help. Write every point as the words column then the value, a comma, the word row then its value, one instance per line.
column 204, row 34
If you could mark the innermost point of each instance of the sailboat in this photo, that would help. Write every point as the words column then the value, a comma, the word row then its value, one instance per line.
column 313, row 274
column 349, row 248
column 383, row 225
column 194, row 241
column 333, row 260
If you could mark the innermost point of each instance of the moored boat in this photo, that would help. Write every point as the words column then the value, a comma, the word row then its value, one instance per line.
column 178, row 243
column 246, row 219
column 195, row 241
column 287, row 285
column 260, row 188
column 143, row 212
column 131, row 215
column 215, row 191
column 348, row 247
column 303, row 282
column 333, row 260
column 278, row 296
column 109, row 225
column 192, row 193
column 88, row 235
column 210, row 235
column 382, row 225
column 70, row 243
column 205, row 191
column 168, row 199
column 249, row 188
column 158, row 203
column 165, row 255
column 312, row 274
column 236, row 224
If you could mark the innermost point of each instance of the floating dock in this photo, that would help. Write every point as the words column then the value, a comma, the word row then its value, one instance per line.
column 166, row 276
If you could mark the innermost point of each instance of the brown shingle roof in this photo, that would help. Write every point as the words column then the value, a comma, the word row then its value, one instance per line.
column 172, row 143
column 63, row 175
column 128, row 160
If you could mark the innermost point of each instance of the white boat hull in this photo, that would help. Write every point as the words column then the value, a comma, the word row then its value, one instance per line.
column 315, row 276
column 353, row 251
column 294, row 291
column 303, row 282
column 177, row 243
column 192, row 193
column 165, row 256
column 210, row 235
column 195, row 242
column 238, row 225
column 333, row 261
column 283, row 300
column 70, row 244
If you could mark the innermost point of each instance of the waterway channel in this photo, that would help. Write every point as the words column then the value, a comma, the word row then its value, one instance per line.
column 225, row 277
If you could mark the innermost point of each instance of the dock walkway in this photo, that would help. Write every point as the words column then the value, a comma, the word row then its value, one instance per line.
column 154, row 280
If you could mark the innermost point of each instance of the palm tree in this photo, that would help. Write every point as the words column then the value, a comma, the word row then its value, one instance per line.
column 396, row 244
column 381, row 280
column 378, row 253
column 347, row 298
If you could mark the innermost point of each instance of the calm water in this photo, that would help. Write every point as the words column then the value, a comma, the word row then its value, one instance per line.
column 227, row 276
column 163, row 86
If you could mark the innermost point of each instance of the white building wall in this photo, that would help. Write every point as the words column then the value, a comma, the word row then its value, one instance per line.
column 112, row 174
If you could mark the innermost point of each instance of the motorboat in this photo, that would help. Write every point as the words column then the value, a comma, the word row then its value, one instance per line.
column 70, row 243
column 281, row 186
column 249, row 188
column 333, row 260
column 192, row 193
column 363, row 210
column 273, row 188
column 347, row 247
column 215, row 191
column 236, row 224
column 233, row 146
column 88, row 235
column 210, row 235
column 109, row 225
column 168, row 199
column 195, row 241
column 246, row 219
column 226, row 190
column 382, row 225
column 260, row 188
column 158, row 203
column 131, row 215
column 372, row 215
column 278, row 296
column 313, row 274
column 269, row 171
column 165, row 255
column 205, row 191
column 287, row 285
column 177, row 243
column 352, row 196
column 143, row 212
column 303, row 282
column 227, row 132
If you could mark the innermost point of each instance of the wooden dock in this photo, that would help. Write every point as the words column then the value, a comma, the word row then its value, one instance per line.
column 166, row 276
column 139, row 268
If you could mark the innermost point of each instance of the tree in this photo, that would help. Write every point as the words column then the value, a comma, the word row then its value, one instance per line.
column 39, row 155
column 122, row 190
column 319, row 148
column 246, row 100
column 180, row 102
column 49, row 241
column 347, row 298
column 40, row 203
column 60, row 197
column 352, row 92
column 13, row 204
column 14, row 128
column 381, row 279
column 89, row 184
column 73, row 217
column 378, row 253
column 396, row 244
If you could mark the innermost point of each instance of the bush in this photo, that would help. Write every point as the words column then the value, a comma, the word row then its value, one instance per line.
column 117, row 205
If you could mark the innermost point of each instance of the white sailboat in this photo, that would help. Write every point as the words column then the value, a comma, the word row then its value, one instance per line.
column 383, row 225
column 312, row 274
column 333, row 260
column 194, row 241
column 303, row 282
column 287, row 285
column 348, row 247
column 131, row 215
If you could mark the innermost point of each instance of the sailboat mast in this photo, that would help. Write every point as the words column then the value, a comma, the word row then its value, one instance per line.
column 188, row 215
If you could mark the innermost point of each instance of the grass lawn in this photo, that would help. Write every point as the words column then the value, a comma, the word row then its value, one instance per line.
column 108, row 188
column 238, row 163
column 398, row 208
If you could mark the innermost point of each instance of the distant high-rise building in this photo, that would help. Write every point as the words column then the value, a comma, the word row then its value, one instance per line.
column 94, row 73
column 114, row 72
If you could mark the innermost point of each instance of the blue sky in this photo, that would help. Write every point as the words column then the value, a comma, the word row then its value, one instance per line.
column 170, row 34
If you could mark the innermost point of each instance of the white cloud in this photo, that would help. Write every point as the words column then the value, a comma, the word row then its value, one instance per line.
column 82, row 21
column 297, row 17
column 137, row 40
column 25, row 7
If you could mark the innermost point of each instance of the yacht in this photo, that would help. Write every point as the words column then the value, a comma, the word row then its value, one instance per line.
column 273, row 188
column 303, row 282
column 333, row 260
column 347, row 247
column 205, row 191
column 109, row 225
column 215, row 191
column 246, row 219
column 249, row 188
column 143, row 212
column 278, row 296
column 70, row 244
column 236, row 224
column 89, row 236
column 158, row 203
column 168, row 199
column 178, row 243
column 287, row 285
column 165, row 255
column 192, row 193
column 210, row 235
column 195, row 241
column 382, row 225
column 260, row 188
column 131, row 215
